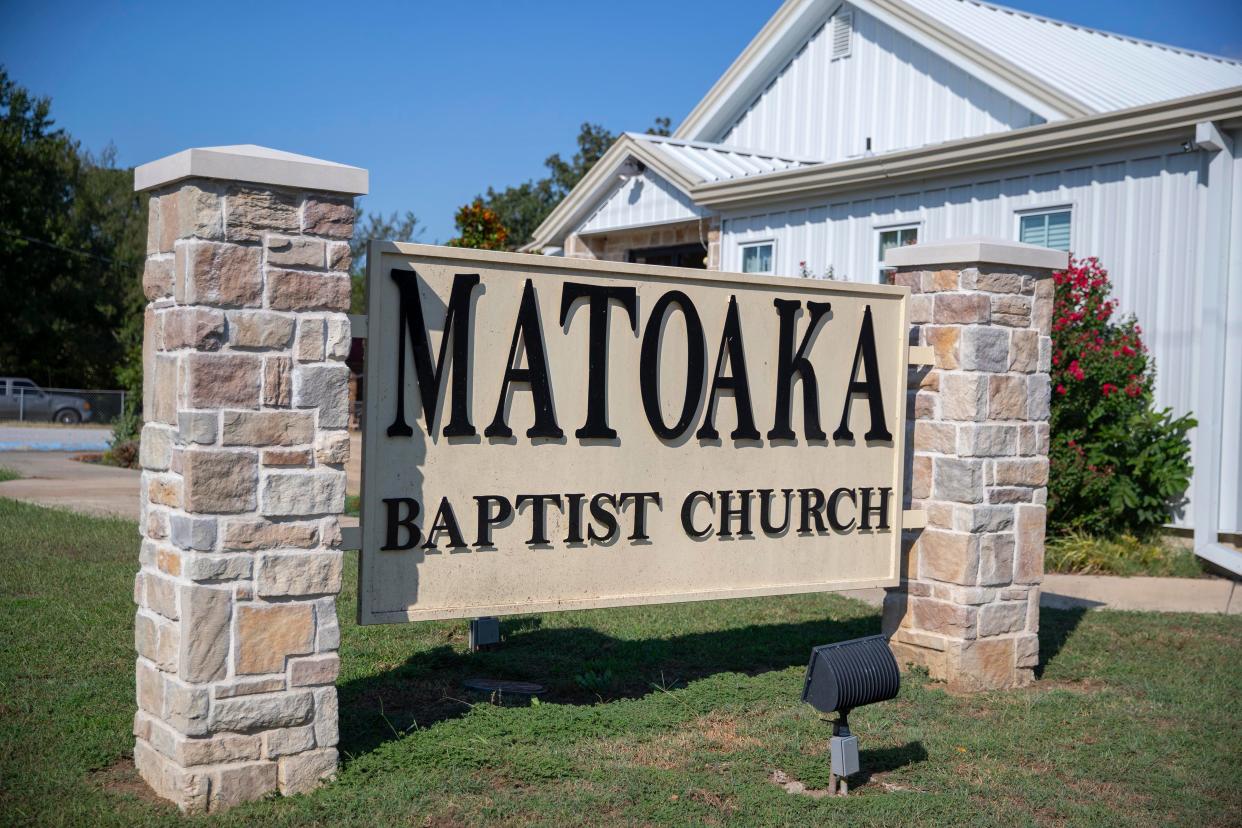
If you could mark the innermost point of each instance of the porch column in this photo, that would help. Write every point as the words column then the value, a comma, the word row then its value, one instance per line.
column 245, row 397
column 968, row 605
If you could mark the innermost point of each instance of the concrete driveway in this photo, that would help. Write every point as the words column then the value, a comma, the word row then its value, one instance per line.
column 50, row 478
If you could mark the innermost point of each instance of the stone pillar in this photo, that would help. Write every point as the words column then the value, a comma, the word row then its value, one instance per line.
column 968, row 605
column 245, row 397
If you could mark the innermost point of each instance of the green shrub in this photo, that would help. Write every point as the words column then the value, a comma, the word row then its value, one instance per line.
column 1118, row 466
column 123, row 453
column 1127, row 555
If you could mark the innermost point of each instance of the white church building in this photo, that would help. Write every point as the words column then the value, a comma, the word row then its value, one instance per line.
column 845, row 129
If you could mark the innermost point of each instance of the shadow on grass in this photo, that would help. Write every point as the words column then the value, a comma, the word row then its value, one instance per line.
column 876, row 761
column 577, row 666
column 1055, row 628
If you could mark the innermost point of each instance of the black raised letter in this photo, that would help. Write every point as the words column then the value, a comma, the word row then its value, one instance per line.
column 599, row 297
column 529, row 332
column 812, row 509
column 487, row 520
column 881, row 510
column 640, row 511
column 649, row 366
column 834, row 503
column 396, row 523
column 457, row 328
column 604, row 517
column 730, row 342
column 687, row 514
column 865, row 353
column 574, row 509
column 791, row 364
column 445, row 522
column 765, row 511
column 728, row 513
column 538, row 515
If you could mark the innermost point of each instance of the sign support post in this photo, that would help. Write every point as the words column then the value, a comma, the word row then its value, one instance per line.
column 246, row 404
column 967, row 607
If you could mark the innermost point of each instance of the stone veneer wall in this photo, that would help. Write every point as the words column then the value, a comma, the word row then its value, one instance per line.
column 968, row 607
column 616, row 245
column 246, row 401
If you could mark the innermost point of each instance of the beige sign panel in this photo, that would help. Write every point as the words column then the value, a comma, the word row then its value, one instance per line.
column 547, row 434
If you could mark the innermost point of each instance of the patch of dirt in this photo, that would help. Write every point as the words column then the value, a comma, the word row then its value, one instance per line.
column 1084, row 686
column 793, row 786
column 716, row 732
column 721, row 732
column 1123, row 798
column 724, row 804
column 121, row 777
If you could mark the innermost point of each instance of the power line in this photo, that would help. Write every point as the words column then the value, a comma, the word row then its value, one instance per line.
column 62, row 248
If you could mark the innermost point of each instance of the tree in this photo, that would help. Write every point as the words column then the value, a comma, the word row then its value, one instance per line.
column 376, row 226
column 72, row 242
column 479, row 227
column 523, row 208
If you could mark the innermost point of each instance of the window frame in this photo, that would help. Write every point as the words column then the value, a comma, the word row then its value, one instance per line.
column 881, row 229
column 1043, row 210
column 741, row 256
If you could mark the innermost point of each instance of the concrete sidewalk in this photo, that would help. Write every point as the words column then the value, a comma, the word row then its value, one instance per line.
column 1207, row 595
column 1203, row 595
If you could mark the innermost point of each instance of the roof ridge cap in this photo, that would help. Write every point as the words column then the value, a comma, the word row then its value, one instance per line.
column 686, row 142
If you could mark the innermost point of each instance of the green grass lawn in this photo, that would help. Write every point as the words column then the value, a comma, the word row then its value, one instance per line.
column 674, row 715
column 8, row 474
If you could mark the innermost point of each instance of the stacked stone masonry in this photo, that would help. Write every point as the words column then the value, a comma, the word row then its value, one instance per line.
column 243, row 452
column 968, row 607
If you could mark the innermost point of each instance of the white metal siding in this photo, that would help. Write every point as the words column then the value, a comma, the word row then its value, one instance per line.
column 1231, row 418
column 641, row 200
column 1137, row 210
column 889, row 89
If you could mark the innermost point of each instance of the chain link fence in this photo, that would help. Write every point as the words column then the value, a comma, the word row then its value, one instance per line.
column 22, row 401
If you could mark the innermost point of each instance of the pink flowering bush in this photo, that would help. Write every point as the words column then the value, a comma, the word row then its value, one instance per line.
column 1117, row 464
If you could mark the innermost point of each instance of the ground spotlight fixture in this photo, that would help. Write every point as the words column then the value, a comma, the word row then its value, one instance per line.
column 843, row 676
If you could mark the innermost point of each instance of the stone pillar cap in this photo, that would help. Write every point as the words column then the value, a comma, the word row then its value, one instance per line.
column 977, row 250
column 255, row 165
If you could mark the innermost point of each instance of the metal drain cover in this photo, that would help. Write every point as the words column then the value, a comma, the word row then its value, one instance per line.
column 504, row 687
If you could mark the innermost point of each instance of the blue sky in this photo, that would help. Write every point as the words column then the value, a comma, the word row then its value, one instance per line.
column 437, row 100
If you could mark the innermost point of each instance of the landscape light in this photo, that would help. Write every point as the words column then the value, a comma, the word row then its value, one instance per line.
column 843, row 676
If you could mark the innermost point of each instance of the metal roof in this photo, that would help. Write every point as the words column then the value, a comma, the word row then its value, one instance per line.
column 705, row 162
column 1103, row 70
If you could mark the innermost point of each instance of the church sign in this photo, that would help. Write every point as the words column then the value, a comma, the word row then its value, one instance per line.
column 548, row 434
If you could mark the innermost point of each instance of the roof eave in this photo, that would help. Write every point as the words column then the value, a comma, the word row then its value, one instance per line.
column 573, row 207
column 1148, row 122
